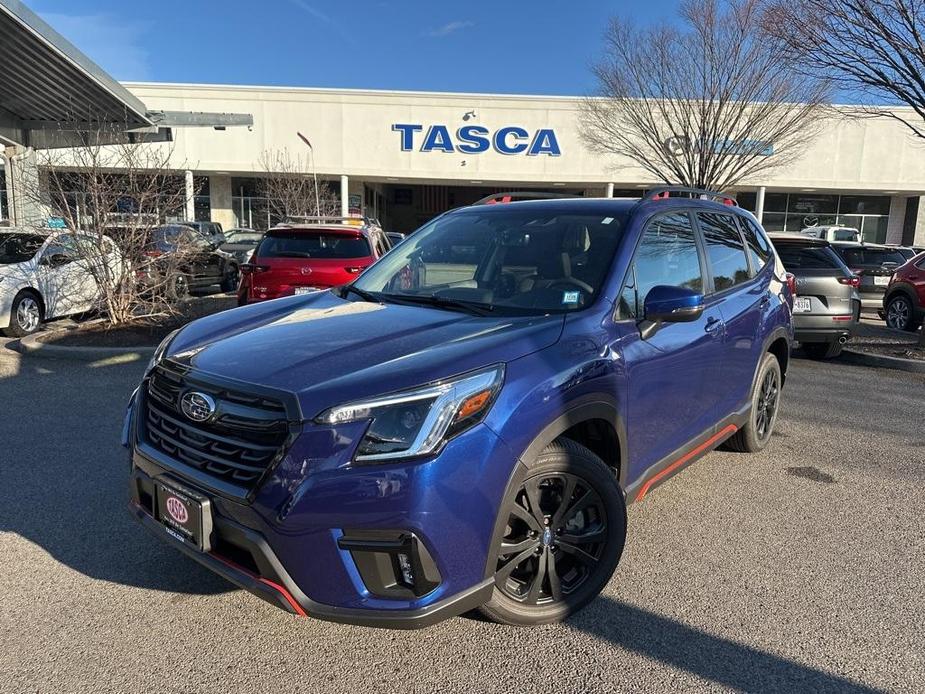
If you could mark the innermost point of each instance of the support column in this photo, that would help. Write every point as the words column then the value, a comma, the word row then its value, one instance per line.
column 759, row 204
column 344, row 196
column 220, row 201
column 27, row 202
column 920, row 225
column 894, row 224
column 610, row 190
column 190, row 197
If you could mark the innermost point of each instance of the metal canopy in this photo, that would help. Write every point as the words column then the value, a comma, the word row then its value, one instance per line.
column 48, row 86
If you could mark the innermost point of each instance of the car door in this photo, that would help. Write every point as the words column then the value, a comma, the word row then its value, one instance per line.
column 741, row 300
column 669, row 377
column 61, row 277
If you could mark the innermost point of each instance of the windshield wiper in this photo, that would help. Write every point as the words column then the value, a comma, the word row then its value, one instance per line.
column 362, row 293
column 473, row 307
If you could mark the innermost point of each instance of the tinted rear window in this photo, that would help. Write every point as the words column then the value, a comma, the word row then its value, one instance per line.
column 871, row 256
column 300, row 244
column 808, row 258
column 845, row 235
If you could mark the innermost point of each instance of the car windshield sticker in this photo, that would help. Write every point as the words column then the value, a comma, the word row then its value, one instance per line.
column 570, row 297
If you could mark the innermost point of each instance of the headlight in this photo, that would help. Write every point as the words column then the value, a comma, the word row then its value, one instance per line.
column 417, row 422
column 159, row 352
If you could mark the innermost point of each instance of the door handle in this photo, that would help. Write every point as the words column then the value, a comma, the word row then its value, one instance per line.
column 713, row 324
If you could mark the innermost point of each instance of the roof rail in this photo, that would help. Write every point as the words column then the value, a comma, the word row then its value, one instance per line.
column 328, row 219
column 665, row 192
column 496, row 198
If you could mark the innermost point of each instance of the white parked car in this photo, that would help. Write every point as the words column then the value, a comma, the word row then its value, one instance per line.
column 43, row 276
column 833, row 233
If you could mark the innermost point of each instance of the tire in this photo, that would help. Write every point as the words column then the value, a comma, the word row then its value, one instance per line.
column 593, row 521
column 822, row 350
column 26, row 314
column 762, row 415
column 900, row 314
column 230, row 281
column 177, row 287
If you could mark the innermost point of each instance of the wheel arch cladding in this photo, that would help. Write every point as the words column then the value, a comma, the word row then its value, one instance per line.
column 780, row 348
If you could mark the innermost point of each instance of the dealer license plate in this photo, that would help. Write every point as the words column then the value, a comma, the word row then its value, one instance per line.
column 185, row 514
column 801, row 304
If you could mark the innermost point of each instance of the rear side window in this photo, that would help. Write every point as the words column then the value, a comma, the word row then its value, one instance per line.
column 759, row 248
column 666, row 255
column 808, row 258
column 725, row 251
column 845, row 235
column 301, row 244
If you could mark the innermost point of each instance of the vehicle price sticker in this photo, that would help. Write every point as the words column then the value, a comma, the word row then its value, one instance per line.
column 801, row 304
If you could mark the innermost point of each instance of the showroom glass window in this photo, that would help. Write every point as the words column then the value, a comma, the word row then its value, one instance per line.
column 793, row 212
column 667, row 254
column 725, row 251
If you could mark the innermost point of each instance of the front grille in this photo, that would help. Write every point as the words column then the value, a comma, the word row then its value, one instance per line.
column 237, row 445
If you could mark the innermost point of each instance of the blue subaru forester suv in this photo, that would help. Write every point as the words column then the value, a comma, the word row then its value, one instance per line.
column 463, row 426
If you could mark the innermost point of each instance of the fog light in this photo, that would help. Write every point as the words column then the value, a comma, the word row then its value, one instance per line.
column 404, row 562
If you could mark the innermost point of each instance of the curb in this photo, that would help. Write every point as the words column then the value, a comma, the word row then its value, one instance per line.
column 31, row 346
column 882, row 361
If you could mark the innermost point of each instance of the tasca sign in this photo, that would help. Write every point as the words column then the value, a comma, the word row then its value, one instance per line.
column 475, row 139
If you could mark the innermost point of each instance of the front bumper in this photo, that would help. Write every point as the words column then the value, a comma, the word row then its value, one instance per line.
column 283, row 542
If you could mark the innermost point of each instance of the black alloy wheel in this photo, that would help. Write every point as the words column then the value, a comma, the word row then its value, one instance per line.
column 565, row 526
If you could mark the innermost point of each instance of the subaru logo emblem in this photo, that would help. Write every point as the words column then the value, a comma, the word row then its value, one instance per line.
column 197, row 406
column 547, row 537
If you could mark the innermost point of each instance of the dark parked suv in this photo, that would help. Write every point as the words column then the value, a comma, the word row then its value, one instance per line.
column 827, row 307
column 874, row 264
column 462, row 426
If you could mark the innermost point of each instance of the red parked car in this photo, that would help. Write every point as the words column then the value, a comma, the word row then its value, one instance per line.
column 301, row 258
column 904, row 300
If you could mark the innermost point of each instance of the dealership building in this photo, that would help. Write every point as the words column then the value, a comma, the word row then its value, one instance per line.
column 404, row 157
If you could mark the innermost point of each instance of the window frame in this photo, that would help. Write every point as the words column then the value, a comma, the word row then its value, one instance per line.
column 630, row 274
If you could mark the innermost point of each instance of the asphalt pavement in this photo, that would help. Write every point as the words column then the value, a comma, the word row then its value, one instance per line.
column 797, row 569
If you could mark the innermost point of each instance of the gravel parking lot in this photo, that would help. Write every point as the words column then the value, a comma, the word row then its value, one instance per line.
column 799, row 569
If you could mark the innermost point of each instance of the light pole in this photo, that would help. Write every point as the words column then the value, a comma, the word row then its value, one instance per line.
column 311, row 154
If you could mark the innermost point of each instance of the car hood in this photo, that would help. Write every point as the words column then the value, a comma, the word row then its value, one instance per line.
column 327, row 350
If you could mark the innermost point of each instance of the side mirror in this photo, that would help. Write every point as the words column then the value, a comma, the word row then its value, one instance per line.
column 667, row 304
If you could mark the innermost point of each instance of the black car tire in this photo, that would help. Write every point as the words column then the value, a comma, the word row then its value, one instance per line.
column 177, row 287
column 591, row 525
column 822, row 350
column 900, row 314
column 230, row 281
column 762, row 415
column 26, row 314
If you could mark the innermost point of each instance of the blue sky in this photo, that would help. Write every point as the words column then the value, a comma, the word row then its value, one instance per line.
column 540, row 47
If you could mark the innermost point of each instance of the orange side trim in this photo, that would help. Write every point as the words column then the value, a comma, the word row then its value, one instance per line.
column 731, row 429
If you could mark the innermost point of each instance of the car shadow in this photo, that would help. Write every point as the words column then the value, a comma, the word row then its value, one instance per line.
column 713, row 658
column 64, row 475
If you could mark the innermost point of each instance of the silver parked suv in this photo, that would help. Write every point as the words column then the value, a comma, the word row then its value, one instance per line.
column 827, row 306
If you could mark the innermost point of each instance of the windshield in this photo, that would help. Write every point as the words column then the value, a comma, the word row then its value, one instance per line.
column 18, row 248
column 311, row 244
column 515, row 261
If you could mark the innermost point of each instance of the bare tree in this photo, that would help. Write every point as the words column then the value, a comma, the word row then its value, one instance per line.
column 290, row 189
column 709, row 103
column 115, row 196
column 874, row 48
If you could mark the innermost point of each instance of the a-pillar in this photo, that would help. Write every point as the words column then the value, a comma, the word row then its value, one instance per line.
column 220, row 201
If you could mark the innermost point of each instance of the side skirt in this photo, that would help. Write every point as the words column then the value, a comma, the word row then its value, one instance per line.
column 684, row 456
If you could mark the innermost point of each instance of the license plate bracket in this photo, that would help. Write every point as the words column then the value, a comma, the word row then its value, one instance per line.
column 185, row 513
